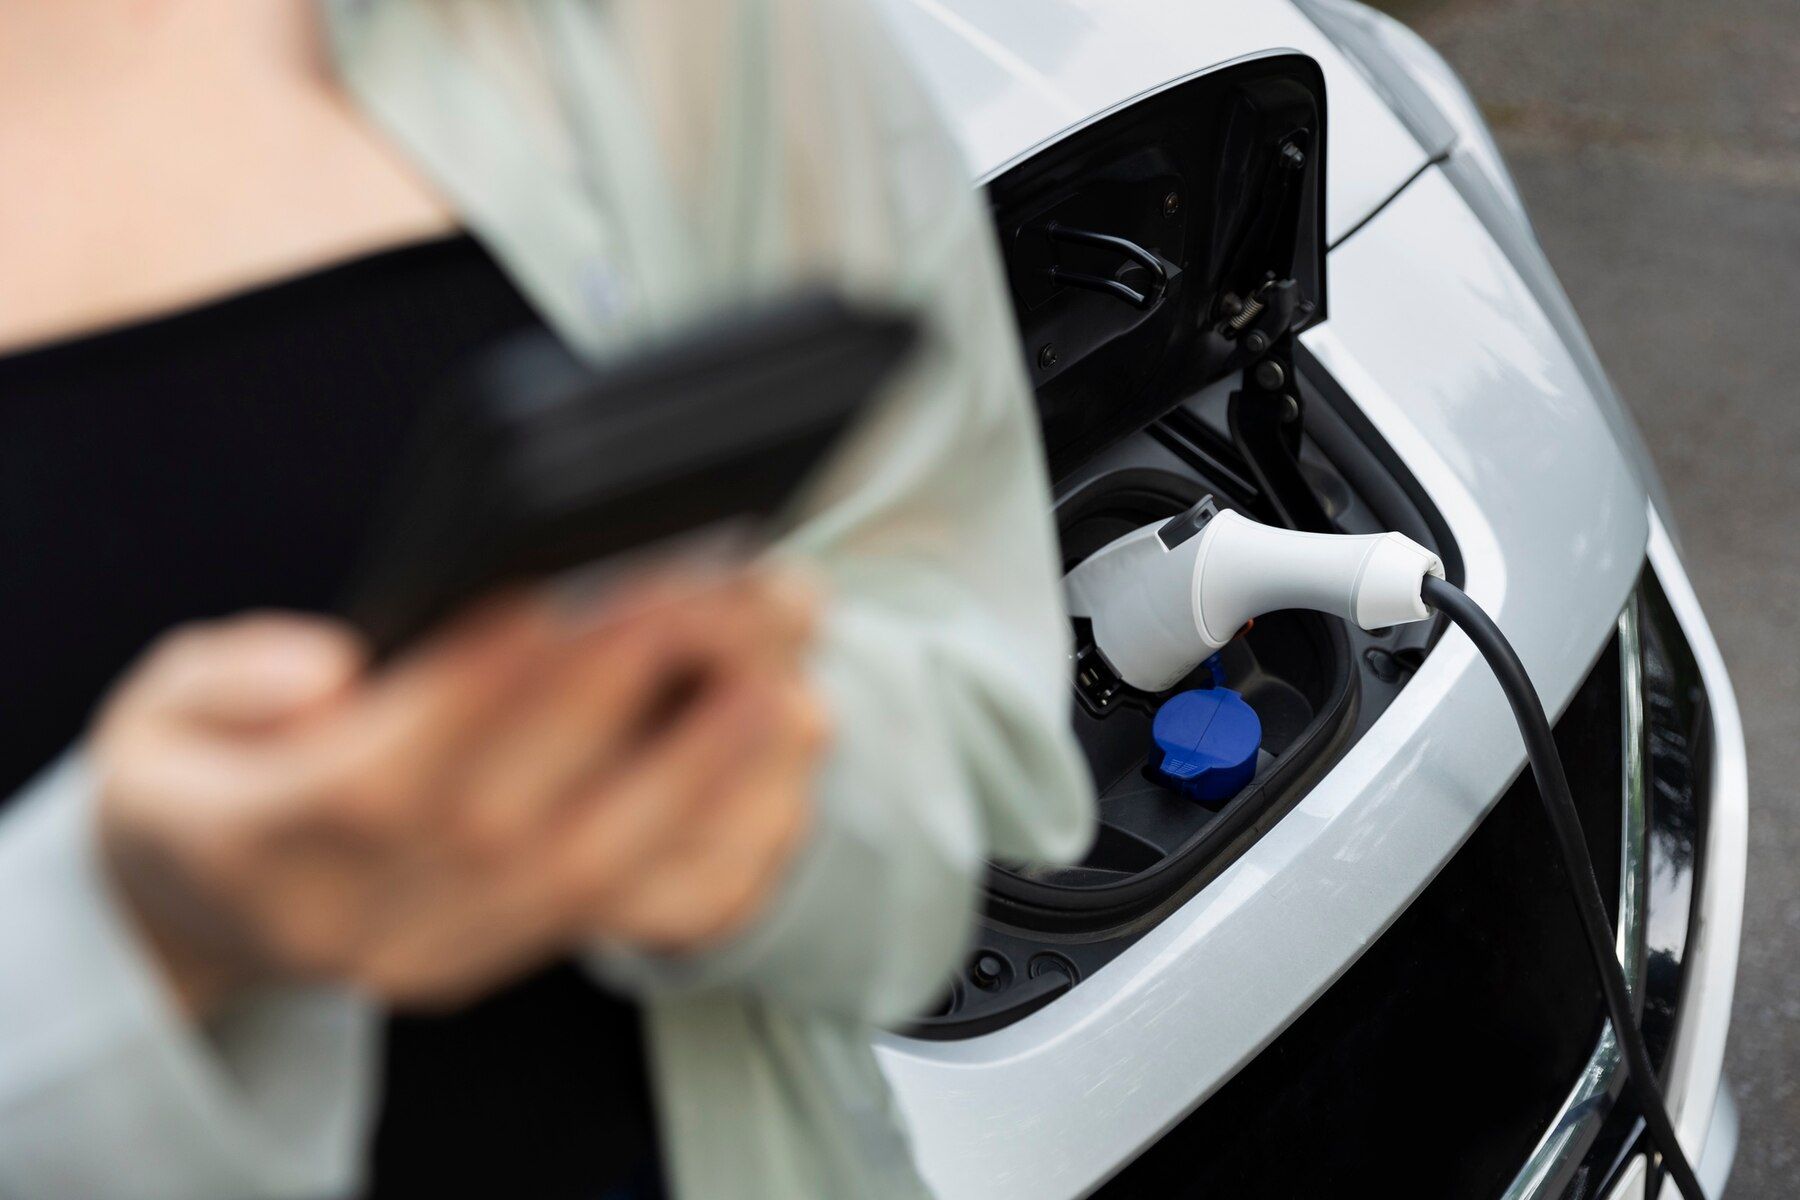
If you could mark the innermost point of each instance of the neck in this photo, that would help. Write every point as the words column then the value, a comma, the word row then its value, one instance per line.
column 179, row 149
column 86, row 43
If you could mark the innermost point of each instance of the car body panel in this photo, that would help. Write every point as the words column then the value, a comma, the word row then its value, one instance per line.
column 1011, row 79
column 1440, row 342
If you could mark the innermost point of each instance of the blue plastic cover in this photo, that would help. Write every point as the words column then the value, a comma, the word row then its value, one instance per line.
column 1206, row 743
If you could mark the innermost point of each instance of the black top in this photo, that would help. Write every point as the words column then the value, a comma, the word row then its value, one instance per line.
column 230, row 457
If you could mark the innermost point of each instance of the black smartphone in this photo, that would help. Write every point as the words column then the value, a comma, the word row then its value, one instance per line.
column 531, row 464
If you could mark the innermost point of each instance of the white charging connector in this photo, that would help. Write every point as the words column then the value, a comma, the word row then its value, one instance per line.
column 1163, row 598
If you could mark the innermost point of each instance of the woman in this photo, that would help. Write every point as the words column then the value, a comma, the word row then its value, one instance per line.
column 239, row 241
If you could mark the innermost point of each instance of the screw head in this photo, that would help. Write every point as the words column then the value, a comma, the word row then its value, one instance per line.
column 1292, row 157
column 988, row 970
column 1256, row 341
column 1046, row 356
column 1269, row 375
column 1385, row 667
column 1290, row 410
column 1171, row 204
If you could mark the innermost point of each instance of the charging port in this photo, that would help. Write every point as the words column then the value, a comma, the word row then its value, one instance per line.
column 1096, row 685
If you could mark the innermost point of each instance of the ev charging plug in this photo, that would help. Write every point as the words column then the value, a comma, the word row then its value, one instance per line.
column 1164, row 597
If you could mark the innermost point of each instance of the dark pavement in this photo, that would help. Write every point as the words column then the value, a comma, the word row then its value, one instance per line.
column 1657, row 143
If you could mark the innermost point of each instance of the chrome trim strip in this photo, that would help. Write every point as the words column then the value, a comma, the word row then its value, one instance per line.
column 1586, row 1106
column 1693, row 1075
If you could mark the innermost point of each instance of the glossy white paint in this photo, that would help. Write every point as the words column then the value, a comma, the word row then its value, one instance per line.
column 1440, row 343
column 1012, row 75
column 1394, row 50
column 1694, row 1078
column 1720, row 1151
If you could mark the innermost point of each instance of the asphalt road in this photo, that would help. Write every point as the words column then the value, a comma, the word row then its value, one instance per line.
column 1657, row 143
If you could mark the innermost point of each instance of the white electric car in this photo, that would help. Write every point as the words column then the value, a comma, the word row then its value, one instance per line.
column 1268, row 252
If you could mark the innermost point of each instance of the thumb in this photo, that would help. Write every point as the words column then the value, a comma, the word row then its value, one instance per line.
column 251, row 671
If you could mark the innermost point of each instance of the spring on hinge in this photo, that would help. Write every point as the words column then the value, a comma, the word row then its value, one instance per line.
column 1241, row 320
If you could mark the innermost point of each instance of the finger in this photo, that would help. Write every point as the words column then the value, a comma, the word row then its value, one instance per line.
column 760, row 621
column 448, row 940
column 623, row 822
column 388, row 751
column 794, row 594
column 763, row 607
column 251, row 671
column 574, row 725
column 723, row 867
column 425, row 742
column 452, row 932
column 777, row 606
column 579, row 718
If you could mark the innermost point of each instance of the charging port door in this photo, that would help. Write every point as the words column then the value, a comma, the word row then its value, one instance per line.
column 1157, row 249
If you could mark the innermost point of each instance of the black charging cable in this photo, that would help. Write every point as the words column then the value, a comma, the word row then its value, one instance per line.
column 1584, row 888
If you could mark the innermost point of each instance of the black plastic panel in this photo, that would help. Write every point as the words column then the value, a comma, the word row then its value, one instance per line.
column 1678, row 729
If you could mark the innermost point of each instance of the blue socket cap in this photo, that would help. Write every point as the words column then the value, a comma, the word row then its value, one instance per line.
column 1206, row 743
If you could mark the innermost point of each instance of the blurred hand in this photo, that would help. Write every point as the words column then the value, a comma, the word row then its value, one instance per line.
column 271, row 809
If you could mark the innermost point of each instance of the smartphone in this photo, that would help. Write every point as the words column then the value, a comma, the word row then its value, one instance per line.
column 530, row 464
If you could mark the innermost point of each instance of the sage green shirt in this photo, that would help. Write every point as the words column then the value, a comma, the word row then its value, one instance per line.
column 633, row 163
